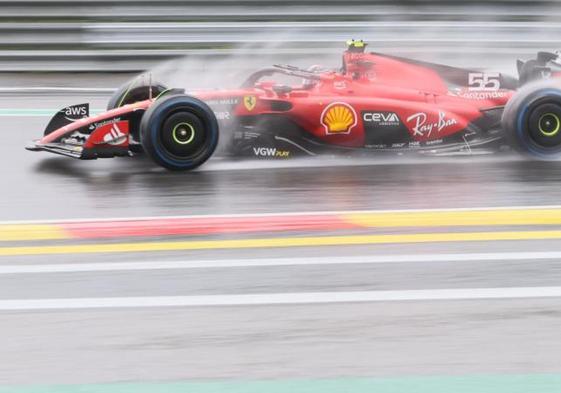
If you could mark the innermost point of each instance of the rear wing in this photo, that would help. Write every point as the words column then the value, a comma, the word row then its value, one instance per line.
column 540, row 68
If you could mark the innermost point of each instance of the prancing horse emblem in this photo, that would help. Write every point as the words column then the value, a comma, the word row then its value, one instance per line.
column 249, row 102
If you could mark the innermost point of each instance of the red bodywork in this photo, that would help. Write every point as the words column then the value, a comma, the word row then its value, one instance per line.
column 373, row 83
column 371, row 94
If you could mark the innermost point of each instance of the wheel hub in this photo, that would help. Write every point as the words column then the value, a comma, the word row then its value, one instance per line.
column 183, row 133
column 549, row 124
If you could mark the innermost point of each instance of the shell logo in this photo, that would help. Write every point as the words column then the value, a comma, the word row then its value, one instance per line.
column 338, row 118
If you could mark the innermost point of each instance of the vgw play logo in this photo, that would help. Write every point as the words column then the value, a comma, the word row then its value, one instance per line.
column 271, row 152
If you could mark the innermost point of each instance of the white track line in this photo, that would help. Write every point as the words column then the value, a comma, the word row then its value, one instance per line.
column 268, row 262
column 273, row 214
column 54, row 89
column 281, row 298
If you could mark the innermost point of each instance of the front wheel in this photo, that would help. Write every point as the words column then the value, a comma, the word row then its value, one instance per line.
column 179, row 132
column 532, row 121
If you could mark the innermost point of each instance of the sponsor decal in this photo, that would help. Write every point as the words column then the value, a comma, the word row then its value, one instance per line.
column 484, row 81
column 115, row 136
column 405, row 145
column 95, row 126
column 224, row 101
column 76, row 112
column 483, row 95
column 270, row 152
column 422, row 127
column 386, row 119
column 112, row 132
column 434, row 142
column 338, row 118
column 222, row 115
column 249, row 102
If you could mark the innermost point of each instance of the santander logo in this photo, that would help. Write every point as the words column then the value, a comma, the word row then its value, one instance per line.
column 113, row 132
column 115, row 136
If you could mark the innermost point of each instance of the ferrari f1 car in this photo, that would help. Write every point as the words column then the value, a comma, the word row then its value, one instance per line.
column 374, row 103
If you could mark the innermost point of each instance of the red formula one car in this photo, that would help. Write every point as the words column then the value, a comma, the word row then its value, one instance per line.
column 374, row 103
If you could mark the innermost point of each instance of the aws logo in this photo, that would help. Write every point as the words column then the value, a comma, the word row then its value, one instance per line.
column 76, row 112
column 338, row 118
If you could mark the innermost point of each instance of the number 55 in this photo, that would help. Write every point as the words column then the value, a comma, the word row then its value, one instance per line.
column 484, row 81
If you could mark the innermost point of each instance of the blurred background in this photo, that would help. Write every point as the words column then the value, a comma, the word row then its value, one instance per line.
column 93, row 255
column 130, row 36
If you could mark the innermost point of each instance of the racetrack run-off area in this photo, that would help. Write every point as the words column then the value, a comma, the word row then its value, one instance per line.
column 73, row 287
column 345, row 228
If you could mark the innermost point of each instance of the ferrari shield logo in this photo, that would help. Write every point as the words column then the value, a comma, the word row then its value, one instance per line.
column 249, row 102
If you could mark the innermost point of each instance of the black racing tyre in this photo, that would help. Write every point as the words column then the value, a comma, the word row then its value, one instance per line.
column 179, row 132
column 129, row 94
column 532, row 121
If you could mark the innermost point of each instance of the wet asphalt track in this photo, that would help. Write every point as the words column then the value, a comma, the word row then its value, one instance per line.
column 374, row 339
column 37, row 186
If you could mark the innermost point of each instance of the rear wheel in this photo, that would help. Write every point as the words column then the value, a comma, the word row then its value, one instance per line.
column 179, row 132
column 544, row 124
column 532, row 122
